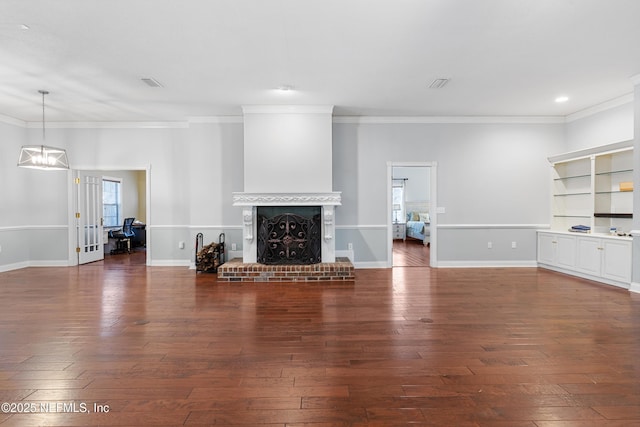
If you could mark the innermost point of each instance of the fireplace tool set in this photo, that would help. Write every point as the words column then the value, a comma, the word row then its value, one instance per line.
column 211, row 256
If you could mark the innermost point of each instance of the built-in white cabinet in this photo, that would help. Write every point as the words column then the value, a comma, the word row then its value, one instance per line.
column 616, row 260
column 603, row 258
column 594, row 189
column 591, row 188
column 557, row 250
column 589, row 255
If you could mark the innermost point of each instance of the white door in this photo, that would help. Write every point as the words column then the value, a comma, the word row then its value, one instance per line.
column 566, row 251
column 617, row 260
column 547, row 248
column 89, row 218
column 589, row 255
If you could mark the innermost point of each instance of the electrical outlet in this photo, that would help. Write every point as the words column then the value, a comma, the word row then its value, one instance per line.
column 489, row 245
column 514, row 245
column 181, row 245
column 233, row 247
column 350, row 246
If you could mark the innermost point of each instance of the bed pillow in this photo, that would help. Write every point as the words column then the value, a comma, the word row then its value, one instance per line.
column 409, row 216
column 424, row 217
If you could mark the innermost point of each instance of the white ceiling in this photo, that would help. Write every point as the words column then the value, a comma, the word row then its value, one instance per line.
column 366, row 57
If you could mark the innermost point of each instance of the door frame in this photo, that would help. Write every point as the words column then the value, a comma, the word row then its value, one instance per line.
column 433, row 210
column 72, row 189
column 84, row 199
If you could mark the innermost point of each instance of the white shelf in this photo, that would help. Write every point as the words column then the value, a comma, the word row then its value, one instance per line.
column 585, row 188
column 587, row 182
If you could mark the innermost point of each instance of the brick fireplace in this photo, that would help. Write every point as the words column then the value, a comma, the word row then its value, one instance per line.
column 251, row 201
column 287, row 165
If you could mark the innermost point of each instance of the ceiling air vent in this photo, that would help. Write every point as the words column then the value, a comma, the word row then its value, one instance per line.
column 438, row 83
column 151, row 82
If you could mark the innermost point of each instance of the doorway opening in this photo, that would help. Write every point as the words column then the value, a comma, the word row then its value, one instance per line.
column 412, row 214
column 98, row 212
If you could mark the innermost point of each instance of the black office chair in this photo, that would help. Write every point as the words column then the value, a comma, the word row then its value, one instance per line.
column 123, row 244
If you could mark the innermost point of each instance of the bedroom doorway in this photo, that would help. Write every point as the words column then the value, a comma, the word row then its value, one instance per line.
column 411, row 208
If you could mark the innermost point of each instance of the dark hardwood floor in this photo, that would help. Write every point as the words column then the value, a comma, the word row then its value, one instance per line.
column 165, row 346
column 410, row 253
column 137, row 256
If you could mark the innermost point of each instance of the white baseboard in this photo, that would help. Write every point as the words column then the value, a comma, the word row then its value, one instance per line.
column 587, row 276
column 64, row 263
column 229, row 255
column 25, row 264
column 345, row 254
column 635, row 287
column 486, row 264
column 14, row 266
column 371, row 264
column 171, row 263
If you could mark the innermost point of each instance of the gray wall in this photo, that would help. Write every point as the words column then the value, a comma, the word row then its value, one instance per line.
column 608, row 126
column 33, row 207
column 493, row 182
column 417, row 184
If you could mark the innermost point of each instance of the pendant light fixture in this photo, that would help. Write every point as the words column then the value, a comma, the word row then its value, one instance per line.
column 42, row 156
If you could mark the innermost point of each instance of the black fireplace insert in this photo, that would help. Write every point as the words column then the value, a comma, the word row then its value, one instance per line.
column 289, row 235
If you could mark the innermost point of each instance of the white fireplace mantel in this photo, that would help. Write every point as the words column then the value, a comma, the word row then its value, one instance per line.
column 287, row 199
column 250, row 202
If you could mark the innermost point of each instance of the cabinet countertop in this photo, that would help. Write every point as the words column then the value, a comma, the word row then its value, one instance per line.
column 597, row 235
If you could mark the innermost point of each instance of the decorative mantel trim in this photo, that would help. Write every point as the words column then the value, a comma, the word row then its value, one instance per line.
column 287, row 199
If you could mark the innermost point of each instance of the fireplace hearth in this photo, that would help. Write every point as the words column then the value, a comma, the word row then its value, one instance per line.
column 289, row 235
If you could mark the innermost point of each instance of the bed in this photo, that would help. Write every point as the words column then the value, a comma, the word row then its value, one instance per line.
column 418, row 221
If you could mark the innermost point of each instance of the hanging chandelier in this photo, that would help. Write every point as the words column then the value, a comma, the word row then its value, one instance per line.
column 42, row 156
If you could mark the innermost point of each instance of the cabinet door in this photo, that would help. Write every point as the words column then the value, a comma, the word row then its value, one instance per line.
column 616, row 263
column 589, row 255
column 547, row 248
column 566, row 251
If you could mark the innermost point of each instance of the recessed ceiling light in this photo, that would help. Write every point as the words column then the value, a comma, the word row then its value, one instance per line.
column 438, row 83
column 285, row 88
column 562, row 99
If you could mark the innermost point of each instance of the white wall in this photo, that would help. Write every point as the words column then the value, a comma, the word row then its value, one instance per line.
column 33, row 211
column 216, row 171
column 417, row 184
column 605, row 127
column 492, row 183
column 287, row 152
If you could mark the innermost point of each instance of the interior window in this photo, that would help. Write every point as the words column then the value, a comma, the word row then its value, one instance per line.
column 112, row 202
column 398, row 201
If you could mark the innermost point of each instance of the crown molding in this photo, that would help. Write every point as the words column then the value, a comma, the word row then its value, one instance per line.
column 599, row 108
column 335, row 119
column 215, row 119
column 11, row 121
column 287, row 109
column 110, row 125
column 448, row 119
column 328, row 109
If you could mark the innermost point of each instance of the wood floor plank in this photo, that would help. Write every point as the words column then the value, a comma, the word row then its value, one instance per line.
column 411, row 345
